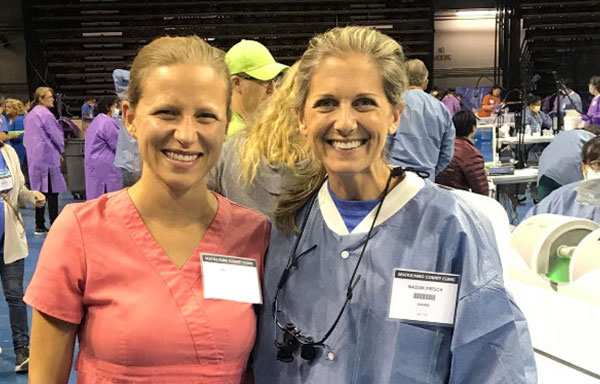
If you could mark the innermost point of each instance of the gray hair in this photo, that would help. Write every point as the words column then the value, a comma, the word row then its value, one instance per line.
column 417, row 72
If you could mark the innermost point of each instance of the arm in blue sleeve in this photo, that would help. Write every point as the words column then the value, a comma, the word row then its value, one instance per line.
column 577, row 101
column 546, row 120
column 447, row 148
column 532, row 212
column 19, row 126
column 3, row 123
column 525, row 342
column 490, row 343
column 528, row 117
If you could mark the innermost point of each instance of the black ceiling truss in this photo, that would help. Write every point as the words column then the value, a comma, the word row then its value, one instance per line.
column 562, row 36
column 74, row 45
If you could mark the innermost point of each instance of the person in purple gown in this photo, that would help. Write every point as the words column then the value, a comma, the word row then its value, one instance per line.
column 101, row 175
column 593, row 113
column 451, row 102
column 44, row 144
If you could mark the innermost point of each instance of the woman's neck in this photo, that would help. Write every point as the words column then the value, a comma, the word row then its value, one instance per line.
column 367, row 185
column 156, row 201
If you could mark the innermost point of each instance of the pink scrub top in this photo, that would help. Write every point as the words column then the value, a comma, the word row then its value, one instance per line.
column 143, row 320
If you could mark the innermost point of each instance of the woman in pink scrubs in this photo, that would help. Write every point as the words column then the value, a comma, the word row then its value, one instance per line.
column 123, row 273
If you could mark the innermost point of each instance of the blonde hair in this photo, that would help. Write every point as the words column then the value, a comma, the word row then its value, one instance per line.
column 39, row 93
column 388, row 57
column 417, row 72
column 17, row 105
column 169, row 50
column 274, row 134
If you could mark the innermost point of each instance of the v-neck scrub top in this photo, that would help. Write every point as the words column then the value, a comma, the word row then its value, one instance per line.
column 143, row 320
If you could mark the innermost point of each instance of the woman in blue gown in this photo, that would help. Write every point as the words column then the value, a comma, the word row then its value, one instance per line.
column 375, row 275
column 581, row 198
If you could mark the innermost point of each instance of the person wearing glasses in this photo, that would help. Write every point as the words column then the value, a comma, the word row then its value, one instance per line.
column 581, row 198
column 253, row 71
column 375, row 275
column 157, row 281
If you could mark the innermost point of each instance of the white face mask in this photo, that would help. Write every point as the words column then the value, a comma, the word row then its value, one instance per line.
column 116, row 113
column 592, row 174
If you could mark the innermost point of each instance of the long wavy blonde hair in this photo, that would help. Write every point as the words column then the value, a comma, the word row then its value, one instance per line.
column 388, row 57
column 274, row 135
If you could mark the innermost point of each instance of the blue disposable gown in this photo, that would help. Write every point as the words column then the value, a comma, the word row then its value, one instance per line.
column 573, row 103
column 561, row 159
column 537, row 121
column 425, row 136
column 420, row 227
column 127, row 156
column 563, row 201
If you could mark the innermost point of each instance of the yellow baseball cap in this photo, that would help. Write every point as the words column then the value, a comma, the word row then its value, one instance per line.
column 254, row 59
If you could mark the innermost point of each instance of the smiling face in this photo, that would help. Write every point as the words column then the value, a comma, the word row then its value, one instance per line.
column 179, row 123
column 347, row 115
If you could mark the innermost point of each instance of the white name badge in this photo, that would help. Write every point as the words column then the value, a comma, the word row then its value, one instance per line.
column 428, row 297
column 230, row 278
column 6, row 182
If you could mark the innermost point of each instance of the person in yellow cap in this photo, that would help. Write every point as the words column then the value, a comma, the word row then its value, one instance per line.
column 253, row 71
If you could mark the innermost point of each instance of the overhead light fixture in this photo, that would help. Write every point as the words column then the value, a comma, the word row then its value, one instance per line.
column 476, row 13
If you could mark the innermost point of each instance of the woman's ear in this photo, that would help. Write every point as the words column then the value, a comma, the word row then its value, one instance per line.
column 396, row 113
column 128, row 117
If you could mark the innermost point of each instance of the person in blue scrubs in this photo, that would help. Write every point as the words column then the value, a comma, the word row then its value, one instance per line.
column 424, row 140
column 560, row 162
column 337, row 307
column 15, row 111
column 569, row 99
column 3, row 120
column 580, row 198
column 127, row 155
column 87, row 111
column 534, row 117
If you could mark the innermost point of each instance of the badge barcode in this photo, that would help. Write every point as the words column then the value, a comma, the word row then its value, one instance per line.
column 424, row 296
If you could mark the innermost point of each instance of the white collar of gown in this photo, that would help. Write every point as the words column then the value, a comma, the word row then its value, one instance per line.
column 394, row 201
